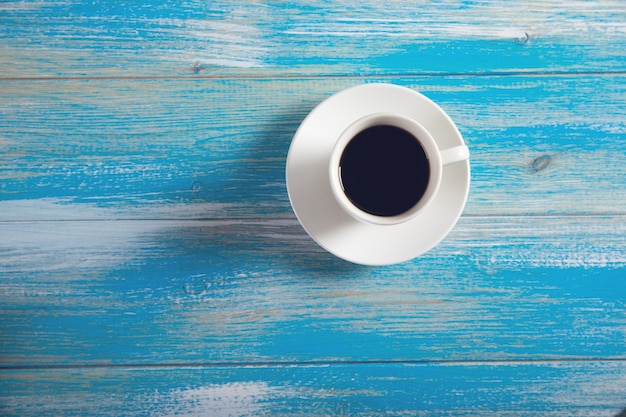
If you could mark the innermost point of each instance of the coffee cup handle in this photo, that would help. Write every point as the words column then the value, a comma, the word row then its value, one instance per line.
column 452, row 155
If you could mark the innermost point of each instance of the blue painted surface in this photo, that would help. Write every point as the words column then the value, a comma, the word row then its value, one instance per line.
column 150, row 263
column 439, row 390
column 331, row 38
column 214, row 154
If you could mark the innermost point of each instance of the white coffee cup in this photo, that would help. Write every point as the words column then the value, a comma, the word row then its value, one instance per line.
column 435, row 158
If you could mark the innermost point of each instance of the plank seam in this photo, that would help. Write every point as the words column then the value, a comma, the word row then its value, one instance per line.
column 322, row 76
column 268, row 364
column 289, row 218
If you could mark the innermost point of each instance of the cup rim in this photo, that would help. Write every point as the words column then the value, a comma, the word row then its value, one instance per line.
column 416, row 130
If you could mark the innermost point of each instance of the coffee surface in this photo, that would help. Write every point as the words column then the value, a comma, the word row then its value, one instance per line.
column 384, row 170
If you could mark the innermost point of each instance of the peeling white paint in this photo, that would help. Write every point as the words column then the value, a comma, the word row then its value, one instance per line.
column 234, row 399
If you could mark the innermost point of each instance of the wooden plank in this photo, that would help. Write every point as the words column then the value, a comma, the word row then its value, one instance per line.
column 470, row 389
column 150, row 263
column 222, row 291
column 539, row 144
column 104, row 38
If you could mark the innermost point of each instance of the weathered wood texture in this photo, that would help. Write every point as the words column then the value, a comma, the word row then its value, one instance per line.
column 226, row 38
column 539, row 144
column 150, row 292
column 150, row 263
column 456, row 389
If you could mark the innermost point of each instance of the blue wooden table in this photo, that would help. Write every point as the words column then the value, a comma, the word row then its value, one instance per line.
column 150, row 262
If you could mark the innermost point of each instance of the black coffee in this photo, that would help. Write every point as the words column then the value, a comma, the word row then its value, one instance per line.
column 384, row 170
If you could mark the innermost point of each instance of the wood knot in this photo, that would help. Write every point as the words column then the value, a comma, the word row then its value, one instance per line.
column 196, row 187
column 197, row 67
column 523, row 40
column 540, row 163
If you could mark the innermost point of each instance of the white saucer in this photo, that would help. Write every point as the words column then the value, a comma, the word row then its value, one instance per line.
column 309, row 188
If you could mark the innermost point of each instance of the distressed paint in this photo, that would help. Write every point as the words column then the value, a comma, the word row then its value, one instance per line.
column 457, row 389
column 150, row 263
column 137, row 144
column 226, row 38
column 257, row 290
